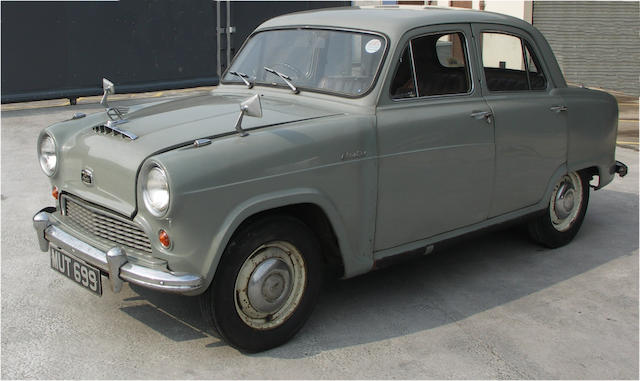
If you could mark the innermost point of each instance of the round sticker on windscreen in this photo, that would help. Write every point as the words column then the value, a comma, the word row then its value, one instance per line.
column 373, row 46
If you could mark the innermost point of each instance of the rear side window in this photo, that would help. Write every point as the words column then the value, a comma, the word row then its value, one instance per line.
column 509, row 64
column 434, row 64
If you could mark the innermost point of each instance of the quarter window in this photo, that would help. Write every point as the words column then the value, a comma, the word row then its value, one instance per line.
column 403, row 85
column 435, row 64
column 509, row 64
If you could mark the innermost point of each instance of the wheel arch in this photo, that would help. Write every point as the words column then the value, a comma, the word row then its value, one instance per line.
column 586, row 171
column 315, row 218
column 308, row 205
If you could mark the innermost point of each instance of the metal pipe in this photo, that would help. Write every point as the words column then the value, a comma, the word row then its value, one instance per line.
column 218, row 68
column 228, row 33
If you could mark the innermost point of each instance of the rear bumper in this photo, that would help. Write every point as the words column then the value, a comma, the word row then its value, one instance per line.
column 114, row 262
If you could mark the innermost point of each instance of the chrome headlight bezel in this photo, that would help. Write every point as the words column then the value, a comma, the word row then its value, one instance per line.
column 156, row 191
column 51, row 150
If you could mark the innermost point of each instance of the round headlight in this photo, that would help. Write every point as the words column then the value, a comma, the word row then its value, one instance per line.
column 155, row 191
column 47, row 154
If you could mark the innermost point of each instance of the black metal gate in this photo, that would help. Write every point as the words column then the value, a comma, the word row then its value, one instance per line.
column 63, row 49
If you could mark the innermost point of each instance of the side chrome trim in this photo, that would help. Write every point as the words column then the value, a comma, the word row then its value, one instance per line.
column 114, row 262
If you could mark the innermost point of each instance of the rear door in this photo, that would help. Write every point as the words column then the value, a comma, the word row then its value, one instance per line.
column 530, row 121
column 435, row 139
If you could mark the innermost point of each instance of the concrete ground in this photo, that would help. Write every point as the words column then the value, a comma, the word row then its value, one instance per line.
column 490, row 306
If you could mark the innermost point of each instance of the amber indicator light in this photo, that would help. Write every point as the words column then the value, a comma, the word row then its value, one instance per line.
column 54, row 192
column 164, row 238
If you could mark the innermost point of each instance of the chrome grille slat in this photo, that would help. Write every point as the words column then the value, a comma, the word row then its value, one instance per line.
column 92, row 224
column 94, row 227
column 106, row 226
column 96, row 218
column 116, row 237
column 122, row 227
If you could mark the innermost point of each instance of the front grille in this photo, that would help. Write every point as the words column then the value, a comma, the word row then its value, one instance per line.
column 105, row 225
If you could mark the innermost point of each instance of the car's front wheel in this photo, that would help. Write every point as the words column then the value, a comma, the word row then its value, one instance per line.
column 565, row 213
column 266, row 284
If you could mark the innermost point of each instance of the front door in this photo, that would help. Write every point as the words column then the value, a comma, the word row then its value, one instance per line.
column 435, row 140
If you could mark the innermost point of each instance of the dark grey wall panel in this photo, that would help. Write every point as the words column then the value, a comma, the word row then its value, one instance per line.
column 63, row 49
column 596, row 43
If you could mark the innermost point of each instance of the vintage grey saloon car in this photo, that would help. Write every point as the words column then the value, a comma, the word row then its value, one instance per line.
column 339, row 138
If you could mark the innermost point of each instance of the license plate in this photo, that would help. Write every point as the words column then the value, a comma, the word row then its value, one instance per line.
column 78, row 271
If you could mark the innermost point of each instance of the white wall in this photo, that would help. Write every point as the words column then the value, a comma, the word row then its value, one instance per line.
column 518, row 8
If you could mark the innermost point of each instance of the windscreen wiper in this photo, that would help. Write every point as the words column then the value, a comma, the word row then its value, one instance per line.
column 285, row 78
column 243, row 77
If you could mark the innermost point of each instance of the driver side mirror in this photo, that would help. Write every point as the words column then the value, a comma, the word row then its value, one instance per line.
column 108, row 87
column 250, row 107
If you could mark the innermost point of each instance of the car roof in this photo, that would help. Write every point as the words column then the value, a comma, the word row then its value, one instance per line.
column 395, row 20
column 392, row 20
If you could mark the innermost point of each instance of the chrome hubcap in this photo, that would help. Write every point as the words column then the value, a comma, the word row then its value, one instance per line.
column 270, row 285
column 566, row 202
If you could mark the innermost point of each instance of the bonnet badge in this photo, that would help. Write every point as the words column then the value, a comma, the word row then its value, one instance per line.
column 86, row 176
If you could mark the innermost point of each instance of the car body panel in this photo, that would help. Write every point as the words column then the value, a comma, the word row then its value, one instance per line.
column 592, row 134
column 426, row 140
column 207, row 206
column 531, row 143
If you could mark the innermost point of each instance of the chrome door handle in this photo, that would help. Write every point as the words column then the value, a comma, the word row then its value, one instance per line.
column 482, row 115
column 559, row 108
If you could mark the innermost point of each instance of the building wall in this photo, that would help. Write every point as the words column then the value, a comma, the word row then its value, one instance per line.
column 596, row 43
column 519, row 9
column 63, row 49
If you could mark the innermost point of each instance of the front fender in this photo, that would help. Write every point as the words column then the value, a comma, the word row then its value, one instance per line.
column 330, row 163
column 353, row 264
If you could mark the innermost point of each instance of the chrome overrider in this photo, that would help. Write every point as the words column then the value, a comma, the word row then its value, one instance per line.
column 114, row 261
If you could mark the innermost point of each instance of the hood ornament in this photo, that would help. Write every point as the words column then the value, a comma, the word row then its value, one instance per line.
column 251, row 107
column 116, row 114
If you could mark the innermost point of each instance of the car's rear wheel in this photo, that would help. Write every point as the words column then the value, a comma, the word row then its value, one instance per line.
column 565, row 213
column 266, row 284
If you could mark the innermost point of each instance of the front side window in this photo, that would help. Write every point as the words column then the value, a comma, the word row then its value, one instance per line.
column 314, row 59
column 509, row 64
column 435, row 64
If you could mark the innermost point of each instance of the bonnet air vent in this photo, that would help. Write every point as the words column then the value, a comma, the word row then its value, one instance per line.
column 111, row 128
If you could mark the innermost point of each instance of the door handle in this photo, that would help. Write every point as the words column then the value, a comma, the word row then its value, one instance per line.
column 559, row 108
column 482, row 115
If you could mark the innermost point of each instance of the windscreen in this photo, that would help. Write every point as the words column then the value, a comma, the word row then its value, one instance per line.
column 341, row 62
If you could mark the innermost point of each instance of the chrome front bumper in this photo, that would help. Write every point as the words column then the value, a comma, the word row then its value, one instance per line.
column 114, row 262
